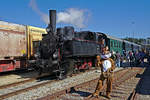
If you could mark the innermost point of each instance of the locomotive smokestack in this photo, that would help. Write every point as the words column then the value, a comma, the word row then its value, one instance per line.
column 52, row 20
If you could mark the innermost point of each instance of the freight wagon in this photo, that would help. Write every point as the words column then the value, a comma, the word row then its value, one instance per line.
column 16, row 45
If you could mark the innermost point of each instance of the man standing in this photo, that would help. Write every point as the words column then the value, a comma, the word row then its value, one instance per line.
column 118, row 58
column 107, row 66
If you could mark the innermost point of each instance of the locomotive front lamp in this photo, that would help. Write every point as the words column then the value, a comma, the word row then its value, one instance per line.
column 47, row 29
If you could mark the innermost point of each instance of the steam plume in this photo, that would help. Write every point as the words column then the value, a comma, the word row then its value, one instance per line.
column 72, row 16
column 43, row 16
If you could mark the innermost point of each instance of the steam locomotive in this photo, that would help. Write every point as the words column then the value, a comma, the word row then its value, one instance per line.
column 64, row 51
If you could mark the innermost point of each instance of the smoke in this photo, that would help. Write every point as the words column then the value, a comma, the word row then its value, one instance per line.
column 73, row 16
column 44, row 17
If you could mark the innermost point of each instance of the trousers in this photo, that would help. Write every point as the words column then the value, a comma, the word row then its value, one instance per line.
column 109, row 80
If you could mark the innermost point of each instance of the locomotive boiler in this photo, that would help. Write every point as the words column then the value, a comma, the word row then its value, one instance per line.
column 46, row 56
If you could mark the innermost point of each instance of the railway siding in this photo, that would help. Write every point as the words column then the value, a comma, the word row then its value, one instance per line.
column 55, row 86
column 85, row 90
column 129, row 84
column 13, row 78
column 86, row 82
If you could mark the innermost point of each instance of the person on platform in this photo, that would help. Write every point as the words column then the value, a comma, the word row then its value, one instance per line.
column 137, row 58
column 107, row 66
column 118, row 59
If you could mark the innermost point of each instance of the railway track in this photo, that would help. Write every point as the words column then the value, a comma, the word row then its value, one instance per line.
column 124, row 87
column 16, row 77
column 22, row 82
column 83, row 91
column 70, row 91
column 16, row 88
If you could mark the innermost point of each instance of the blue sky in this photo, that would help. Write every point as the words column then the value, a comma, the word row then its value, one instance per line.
column 119, row 18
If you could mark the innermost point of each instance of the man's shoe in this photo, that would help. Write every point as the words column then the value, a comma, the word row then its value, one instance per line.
column 108, row 95
column 95, row 95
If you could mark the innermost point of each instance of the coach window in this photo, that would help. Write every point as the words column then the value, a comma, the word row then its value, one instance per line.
column 117, row 44
column 111, row 43
column 114, row 43
column 120, row 45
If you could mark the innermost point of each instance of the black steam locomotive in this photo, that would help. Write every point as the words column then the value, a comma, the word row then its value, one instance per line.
column 64, row 51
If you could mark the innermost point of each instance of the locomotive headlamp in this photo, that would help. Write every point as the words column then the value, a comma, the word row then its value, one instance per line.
column 55, row 55
column 48, row 29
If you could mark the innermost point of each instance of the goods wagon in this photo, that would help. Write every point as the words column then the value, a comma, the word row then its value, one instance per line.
column 34, row 34
column 16, row 44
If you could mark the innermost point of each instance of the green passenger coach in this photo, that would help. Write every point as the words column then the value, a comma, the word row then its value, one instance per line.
column 114, row 44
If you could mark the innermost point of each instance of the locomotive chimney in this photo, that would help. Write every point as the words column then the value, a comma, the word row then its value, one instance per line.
column 52, row 17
